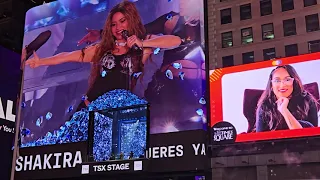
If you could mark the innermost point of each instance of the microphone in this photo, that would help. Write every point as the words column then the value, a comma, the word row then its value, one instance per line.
column 40, row 40
column 125, row 35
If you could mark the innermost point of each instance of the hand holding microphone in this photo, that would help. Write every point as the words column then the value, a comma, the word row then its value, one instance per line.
column 132, row 41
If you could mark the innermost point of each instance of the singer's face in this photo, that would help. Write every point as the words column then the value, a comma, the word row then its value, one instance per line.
column 119, row 23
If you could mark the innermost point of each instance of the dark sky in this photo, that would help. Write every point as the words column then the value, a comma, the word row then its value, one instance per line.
column 9, row 88
column 9, row 73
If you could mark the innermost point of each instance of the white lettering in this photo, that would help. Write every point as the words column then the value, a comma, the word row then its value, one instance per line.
column 19, row 163
column 98, row 168
column 37, row 162
column 28, row 163
column 223, row 135
column 57, row 165
column 61, row 160
column 163, row 152
column 171, row 152
column 67, row 156
column 203, row 151
column 110, row 167
column 6, row 129
column 196, row 148
column 9, row 114
column 179, row 150
column 117, row 167
column 77, row 159
column 46, row 161
column 155, row 152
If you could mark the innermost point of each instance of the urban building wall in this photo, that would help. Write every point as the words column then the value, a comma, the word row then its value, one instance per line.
column 288, row 30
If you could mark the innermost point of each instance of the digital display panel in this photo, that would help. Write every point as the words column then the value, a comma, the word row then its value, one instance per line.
column 266, row 100
column 95, row 55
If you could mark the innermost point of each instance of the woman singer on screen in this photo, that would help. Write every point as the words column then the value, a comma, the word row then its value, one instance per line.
column 285, row 104
column 115, row 65
column 185, row 24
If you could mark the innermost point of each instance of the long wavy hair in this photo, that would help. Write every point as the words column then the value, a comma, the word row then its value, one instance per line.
column 107, row 44
column 298, row 105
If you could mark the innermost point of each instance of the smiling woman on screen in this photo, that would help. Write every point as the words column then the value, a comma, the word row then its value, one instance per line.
column 285, row 104
column 115, row 64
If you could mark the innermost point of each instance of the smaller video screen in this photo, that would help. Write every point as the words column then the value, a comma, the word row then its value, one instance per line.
column 266, row 100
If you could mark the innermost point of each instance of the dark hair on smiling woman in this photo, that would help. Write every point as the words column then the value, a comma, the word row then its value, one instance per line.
column 299, row 103
column 107, row 44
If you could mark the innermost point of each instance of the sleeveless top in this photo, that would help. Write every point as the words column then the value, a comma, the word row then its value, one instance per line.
column 115, row 72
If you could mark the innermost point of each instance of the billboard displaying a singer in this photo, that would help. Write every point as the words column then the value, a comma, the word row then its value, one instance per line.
column 266, row 100
column 94, row 55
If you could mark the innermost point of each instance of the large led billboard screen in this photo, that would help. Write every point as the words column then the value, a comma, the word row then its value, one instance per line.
column 266, row 100
column 95, row 55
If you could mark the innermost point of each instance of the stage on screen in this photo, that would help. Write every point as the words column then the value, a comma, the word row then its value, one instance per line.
column 138, row 65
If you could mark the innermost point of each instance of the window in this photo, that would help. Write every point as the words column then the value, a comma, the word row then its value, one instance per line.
column 269, row 53
column 312, row 22
column 265, row 7
column 246, row 35
column 314, row 46
column 309, row 2
column 248, row 57
column 267, row 31
column 287, row 5
column 226, row 16
column 227, row 39
column 227, row 61
column 289, row 27
column 245, row 12
column 291, row 50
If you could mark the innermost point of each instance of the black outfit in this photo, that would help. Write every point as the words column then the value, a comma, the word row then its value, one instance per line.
column 310, row 121
column 169, row 95
column 118, row 75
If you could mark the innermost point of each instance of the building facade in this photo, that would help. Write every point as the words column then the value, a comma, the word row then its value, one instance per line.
column 245, row 31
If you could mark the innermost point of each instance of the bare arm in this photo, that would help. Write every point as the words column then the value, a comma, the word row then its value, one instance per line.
column 165, row 42
column 84, row 55
column 146, row 54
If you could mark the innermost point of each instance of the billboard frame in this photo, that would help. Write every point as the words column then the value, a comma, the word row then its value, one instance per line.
column 206, row 95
